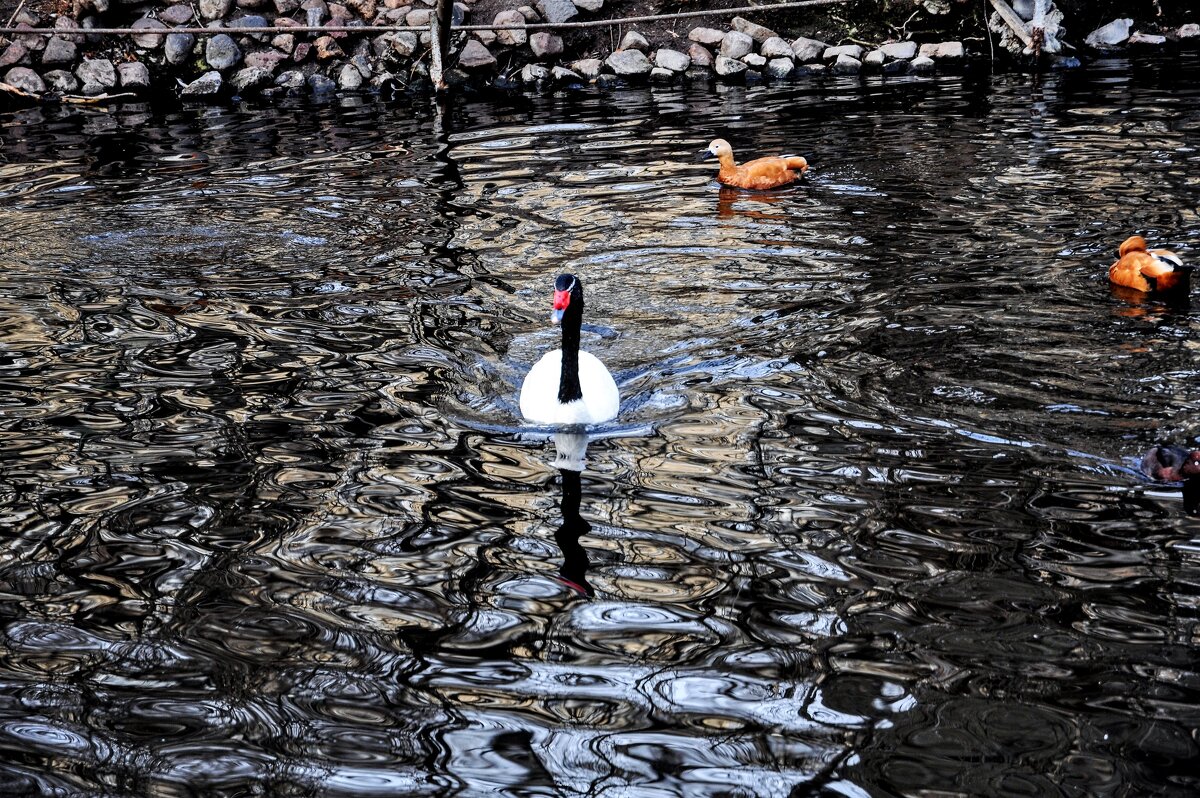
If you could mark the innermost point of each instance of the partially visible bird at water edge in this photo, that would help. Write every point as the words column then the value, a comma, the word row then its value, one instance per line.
column 1158, row 271
column 1173, row 463
column 761, row 173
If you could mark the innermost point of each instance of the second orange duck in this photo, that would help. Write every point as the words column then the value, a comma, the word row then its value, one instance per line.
column 760, row 173
column 1154, row 270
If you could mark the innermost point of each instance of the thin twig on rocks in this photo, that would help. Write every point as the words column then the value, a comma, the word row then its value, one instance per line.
column 20, row 5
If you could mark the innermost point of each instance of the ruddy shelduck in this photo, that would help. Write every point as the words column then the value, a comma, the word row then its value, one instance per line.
column 760, row 173
column 1150, row 270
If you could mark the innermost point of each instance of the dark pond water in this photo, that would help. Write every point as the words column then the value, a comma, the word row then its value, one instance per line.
column 867, row 525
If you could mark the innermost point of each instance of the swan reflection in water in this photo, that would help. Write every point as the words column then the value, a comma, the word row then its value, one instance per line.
column 570, row 448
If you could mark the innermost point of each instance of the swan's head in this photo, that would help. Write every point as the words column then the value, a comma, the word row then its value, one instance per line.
column 718, row 148
column 566, row 290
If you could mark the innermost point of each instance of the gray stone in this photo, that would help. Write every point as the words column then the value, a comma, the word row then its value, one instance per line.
column 315, row 12
column 178, row 47
column 530, row 14
column 589, row 5
column 752, row 29
column 319, row 84
column 943, row 51
column 252, row 21
column 249, row 79
column 178, row 14
column 810, row 70
column 284, row 7
column 404, row 43
column 899, row 51
column 485, row 37
column 754, row 60
column 1113, row 34
column 214, row 9
column 776, row 47
column 629, row 63
column 780, row 68
column 25, row 79
column 67, row 24
column 532, row 73
column 62, row 81
column 59, row 51
column 607, row 81
column 736, row 44
column 808, row 50
column 418, row 17
column 874, row 59
column 634, row 41
column 1024, row 9
column 222, row 52
column 1189, row 31
column 363, row 64
column 545, row 44
column 709, row 37
column 729, row 67
column 293, row 80
column 15, row 53
column 350, row 78
column 148, row 42
column 921, row 65
column 1150, row 39
column 589, row 68
column 475, row 56
column 511, row 38
column 98, row 72
column 286, row 42
column 32, row 42
column 207, row 85
column 133, row 75
column 700, row 55
column 852, row 50
column 845, row 65
column 556, row 11
column 564, row 75
column 672, row 60
column 661, row 75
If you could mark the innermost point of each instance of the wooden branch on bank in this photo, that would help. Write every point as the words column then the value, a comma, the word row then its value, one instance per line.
column 1016, row 23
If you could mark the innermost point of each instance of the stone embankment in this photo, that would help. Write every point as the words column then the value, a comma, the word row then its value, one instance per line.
column 225, row 59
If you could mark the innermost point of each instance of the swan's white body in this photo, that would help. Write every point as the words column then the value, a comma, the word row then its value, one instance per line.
column 539, row 392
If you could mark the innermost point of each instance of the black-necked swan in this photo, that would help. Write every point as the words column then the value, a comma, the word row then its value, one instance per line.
column 566, row 386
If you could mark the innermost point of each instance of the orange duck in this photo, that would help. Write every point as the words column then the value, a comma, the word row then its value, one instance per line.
column 757, row 174
column 1155, row 270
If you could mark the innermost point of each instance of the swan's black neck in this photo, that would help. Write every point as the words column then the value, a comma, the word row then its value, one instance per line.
column 572, row 321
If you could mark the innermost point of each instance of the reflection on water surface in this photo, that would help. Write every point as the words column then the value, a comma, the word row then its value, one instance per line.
column 867, row 524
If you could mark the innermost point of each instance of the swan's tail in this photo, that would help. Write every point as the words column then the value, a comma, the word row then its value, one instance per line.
column 796, row 162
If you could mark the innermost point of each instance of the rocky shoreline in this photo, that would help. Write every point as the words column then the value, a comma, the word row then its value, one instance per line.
column 211, row 50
